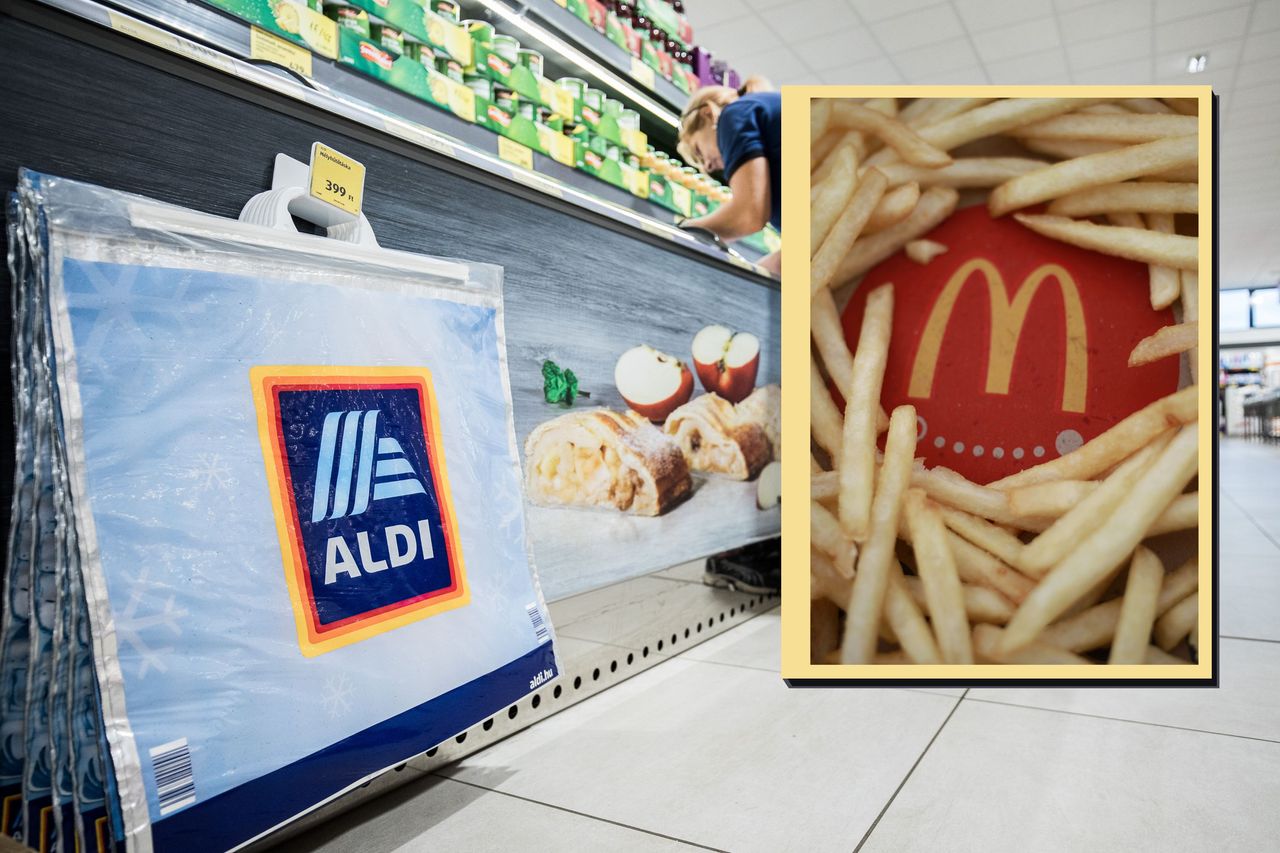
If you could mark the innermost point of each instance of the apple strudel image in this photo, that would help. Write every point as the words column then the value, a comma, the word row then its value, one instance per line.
column 716, row 440
column 603, row 458
column 763, row 407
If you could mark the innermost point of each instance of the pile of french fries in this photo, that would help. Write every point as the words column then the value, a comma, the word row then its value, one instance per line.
column 1050, row 565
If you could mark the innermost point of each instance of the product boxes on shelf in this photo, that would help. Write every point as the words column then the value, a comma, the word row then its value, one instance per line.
column 290, row 19
column 424, row 25
column 503, row 71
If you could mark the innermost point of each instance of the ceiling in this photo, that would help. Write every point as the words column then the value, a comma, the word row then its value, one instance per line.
column 1045, row 41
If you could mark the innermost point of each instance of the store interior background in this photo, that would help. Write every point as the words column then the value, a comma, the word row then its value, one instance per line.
column 657, row 740
column 1037, row 753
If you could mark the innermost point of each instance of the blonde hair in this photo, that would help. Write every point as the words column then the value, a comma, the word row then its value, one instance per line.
column 704, row 108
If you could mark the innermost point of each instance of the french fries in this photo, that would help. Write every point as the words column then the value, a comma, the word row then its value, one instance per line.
column 1107, row 167
column 876, row 563
column 935, row 205
column 937, row 569
column 898, row 136
column 1171, row 340
column 965, row 172
column 923, row 251
column 844, row 233
column 1150, row 247
column 1130, row 196
column 858, row 447
column 1054, row 564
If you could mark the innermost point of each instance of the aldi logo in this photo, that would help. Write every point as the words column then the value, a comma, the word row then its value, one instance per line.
column 361, row 498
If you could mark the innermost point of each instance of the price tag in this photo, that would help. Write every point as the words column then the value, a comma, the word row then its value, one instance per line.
column 263, row 45
column 319, row 32
column 462, row 101
column 514, row 152
column 168, row 41
column 682, row 198
column 643, row 73
column 563, row 4
column 336, row 178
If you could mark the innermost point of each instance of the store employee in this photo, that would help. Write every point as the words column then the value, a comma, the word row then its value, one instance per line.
column 739, row 132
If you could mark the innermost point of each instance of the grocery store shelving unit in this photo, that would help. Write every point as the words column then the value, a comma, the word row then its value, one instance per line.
column 198, row 31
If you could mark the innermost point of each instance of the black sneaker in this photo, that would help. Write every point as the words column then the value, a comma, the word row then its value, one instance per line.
column 755, row 568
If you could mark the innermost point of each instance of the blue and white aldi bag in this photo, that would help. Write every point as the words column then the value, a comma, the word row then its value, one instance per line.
column 296, row 503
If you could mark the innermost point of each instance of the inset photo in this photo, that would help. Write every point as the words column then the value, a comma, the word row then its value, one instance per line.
column 1008, row 437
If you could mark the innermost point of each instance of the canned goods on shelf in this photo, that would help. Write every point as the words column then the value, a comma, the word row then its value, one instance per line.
column 348, row 17
column 388, row 38
column 506, row 47
column 481, row 31
column 482, row 86
column 629, row 120
column 612, row 107
column 505, row 98
column 421, row 53
column 450, row 68
column 532, row 60
column 594, row 99
column 613, row 152
column 447, row 9
column 574, row 85
column 550, row 118
column 527, row 109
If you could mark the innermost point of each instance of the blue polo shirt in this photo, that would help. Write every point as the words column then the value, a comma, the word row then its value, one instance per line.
column 751, row 127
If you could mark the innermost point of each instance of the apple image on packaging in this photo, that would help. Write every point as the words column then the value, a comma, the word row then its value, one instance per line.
column 769, row 486
column 726, row 361
column 652, row 383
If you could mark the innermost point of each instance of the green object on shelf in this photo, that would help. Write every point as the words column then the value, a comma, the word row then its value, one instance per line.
column 388, row 38
column 506, row 73
column 411, row 18
column 481, row 32
column 349, row 18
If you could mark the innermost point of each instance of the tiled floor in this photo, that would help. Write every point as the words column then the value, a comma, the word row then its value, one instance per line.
column 711, row 750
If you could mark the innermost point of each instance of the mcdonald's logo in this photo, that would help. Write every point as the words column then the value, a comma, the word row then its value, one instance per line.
column 1008, row 318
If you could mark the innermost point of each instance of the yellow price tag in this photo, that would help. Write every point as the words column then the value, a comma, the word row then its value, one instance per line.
column 319, row 32
column 643, row 73
column 514, row 152
column 563, row 4
column 462, row 101
column 336, row 178
column 682, row 198
column 263, row 45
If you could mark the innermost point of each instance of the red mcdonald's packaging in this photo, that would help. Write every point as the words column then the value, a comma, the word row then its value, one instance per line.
column 1013, row 347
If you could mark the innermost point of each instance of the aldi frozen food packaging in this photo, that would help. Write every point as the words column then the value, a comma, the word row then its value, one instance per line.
column 268, row 532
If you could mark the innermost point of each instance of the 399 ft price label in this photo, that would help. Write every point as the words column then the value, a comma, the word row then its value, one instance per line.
column 336, row 178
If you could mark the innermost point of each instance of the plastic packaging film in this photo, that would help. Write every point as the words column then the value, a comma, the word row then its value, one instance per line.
column 268, row 529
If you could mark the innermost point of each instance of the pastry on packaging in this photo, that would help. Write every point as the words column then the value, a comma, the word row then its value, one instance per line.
column 603, row 458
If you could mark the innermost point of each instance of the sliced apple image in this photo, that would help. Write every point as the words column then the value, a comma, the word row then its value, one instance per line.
column 726, row 361
column 769, row 486
column 652, row 383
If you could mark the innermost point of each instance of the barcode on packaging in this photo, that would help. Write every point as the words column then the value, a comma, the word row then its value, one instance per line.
column 175, row 783
column 539, row 624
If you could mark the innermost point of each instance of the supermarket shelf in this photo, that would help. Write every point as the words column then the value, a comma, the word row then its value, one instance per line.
column 613, row 64
column 220, row 41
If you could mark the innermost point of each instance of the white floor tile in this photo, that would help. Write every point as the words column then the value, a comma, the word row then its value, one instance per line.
column 1000, row 778
column 434, row 814
column 1249, row 589
column 1247, row 703
column 724, row 756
